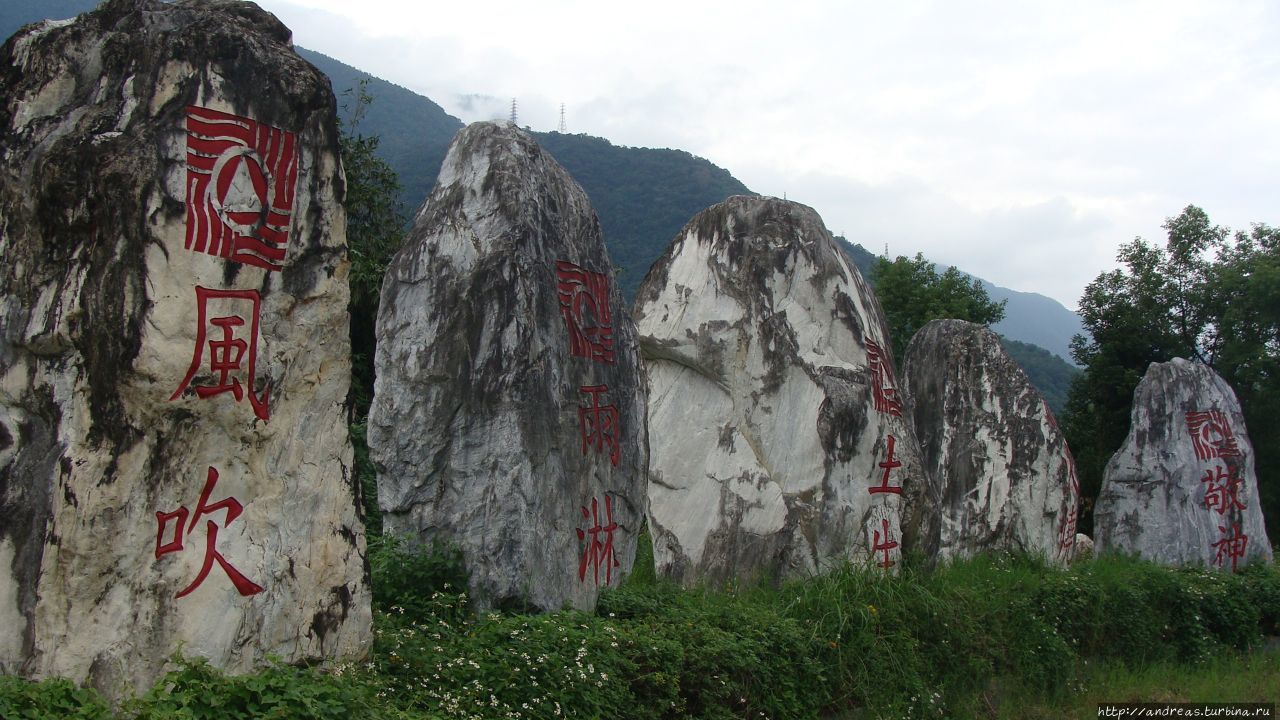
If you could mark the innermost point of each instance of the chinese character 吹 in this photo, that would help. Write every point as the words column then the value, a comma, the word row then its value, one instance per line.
column 243, row 585
column 1211, row 435
column 241, row 178
column 227, row 352
column 584, row 303
column 600, row 424
column 883, row 389
column 598, row 552
column 1230, row 546
column 883, row 544
column 1222, row 494
column 889, row 464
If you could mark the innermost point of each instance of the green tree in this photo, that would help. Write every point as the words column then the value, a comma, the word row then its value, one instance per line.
column 1206, row 296
column 375, row 231
column 912, row 293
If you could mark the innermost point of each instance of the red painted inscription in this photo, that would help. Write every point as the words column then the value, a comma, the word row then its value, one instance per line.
column 1211, row 435
column 1223, row 491
column 600, row 424
column 1230, row 546
column 243, row 585
column 889, row 464
column 230, row 348
column 598, row 550
column 883, row 388
column 584, row 303
column 883, row 544
column 241, row 178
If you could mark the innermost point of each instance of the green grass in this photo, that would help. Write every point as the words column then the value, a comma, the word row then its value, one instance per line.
column 993, row 637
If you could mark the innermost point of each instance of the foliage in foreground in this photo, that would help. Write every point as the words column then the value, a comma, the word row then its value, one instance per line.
column 952, row 642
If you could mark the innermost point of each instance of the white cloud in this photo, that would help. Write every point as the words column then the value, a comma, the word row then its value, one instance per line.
column 1020, row 141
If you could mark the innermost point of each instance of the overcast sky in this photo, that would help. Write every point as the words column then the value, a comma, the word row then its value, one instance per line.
column 1021, row 141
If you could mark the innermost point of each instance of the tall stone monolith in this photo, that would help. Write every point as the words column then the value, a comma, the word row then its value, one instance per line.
column 778, row 438
column 508, row 418
column 1183, row 489
column 175, row 472
column 991, row 446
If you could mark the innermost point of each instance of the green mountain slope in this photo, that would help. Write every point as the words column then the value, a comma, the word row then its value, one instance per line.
column 643, row 196
column 414, row 132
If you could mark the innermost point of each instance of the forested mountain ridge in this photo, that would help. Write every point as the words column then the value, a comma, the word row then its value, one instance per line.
column 643, row 196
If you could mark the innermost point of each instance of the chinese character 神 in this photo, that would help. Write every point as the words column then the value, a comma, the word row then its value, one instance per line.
column 598, row 552
column 889, row 464
column 241, row 176
column 1232, row 546
column 584, row 303
column 1211, row 435
column 227, row 351
column 600, row 424
column 879, row 544
column 244, row 585
column 883, row 388
column 1222, row 494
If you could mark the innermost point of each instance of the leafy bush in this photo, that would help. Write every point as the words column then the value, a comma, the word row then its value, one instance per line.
column 408, row 577
column 950, row 641
column 56, row 699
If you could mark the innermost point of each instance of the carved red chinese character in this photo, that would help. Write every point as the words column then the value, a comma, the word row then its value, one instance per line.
column 584, row 303
column 241, row 179
column 600, row 424
column 883, row 388
column 1071, row 510
column 230, row 348
column 889, row 464
column 883, row 544
column 1230, row 546
column 597, row 551
column 243, row 585
column 1067, row 531
column 1211, row 435
column 1222, row 493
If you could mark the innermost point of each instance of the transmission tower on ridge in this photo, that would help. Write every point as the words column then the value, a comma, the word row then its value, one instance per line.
column 562, row 128
column 513, row 111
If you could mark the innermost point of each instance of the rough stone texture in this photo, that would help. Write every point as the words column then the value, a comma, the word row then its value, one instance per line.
column 1182, row 489
column 101, row 444
column 991, row 446
column 764, row 431
column 477, row 424
column 1083, row 549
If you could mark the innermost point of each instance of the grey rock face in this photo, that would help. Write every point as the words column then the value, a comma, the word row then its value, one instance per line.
column 174, row 362
column 991, row 446
column 1183, row 490
column 508, row 415
column 778, row 445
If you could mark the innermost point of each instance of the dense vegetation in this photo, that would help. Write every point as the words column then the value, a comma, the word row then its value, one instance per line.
column 643, row 196
column 1209, row 296
column 997, row 636
column 912, row 293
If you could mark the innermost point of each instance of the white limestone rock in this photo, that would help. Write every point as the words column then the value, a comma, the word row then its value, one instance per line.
column 1183, row 489
column 496, row 320
column 991, row 446
column 766, row 436
column 147, row 452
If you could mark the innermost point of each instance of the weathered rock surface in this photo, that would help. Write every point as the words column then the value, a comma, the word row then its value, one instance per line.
column 777, row 441
column 1183, row 489
column 174, row 362
column 991, row 446
column 509, row 415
